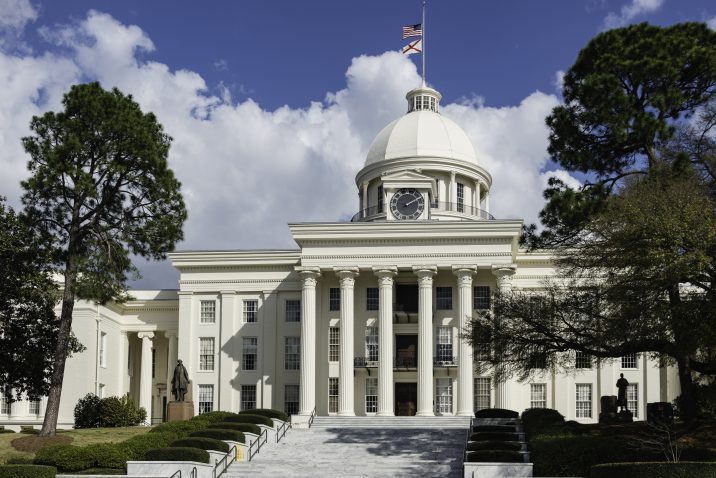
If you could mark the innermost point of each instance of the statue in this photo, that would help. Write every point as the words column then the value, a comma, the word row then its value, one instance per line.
column 180, row 382
column 622, row 385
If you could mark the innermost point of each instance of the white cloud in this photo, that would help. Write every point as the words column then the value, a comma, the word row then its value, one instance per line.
column 247, row 171
column 15, row 14
column 558, row 81
column 630, row 11
column 711, row 22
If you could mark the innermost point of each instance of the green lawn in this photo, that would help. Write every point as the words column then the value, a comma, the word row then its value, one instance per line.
column 79, row 437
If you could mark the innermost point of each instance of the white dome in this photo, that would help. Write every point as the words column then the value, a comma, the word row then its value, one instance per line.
column 421, row 133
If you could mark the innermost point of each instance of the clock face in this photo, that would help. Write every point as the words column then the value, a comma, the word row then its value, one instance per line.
column 407, row 203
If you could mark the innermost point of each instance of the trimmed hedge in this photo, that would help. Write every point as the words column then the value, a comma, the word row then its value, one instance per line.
column 266, row 412
column 242, row 427
column 202, row 443
column 180, row 429
column 496, row 413
column 500, row 456
column 539, row 421
column 27, row 471
column 92, row 412
column 137, row 446
column 494, row 428
column 219, row 434
column 494, row 445
column 684, row 469
column 494, row 436
column 178, row 454
column 213, row 417
column 250, row 418
column 3, row 430
column 69, row 458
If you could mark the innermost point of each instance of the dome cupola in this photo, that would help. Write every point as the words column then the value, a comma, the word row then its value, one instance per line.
column 423, row 98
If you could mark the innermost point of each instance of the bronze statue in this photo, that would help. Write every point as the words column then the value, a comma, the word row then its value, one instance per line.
column 180, row 382
column 622, row 385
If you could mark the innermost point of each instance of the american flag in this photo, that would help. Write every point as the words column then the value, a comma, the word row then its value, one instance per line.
column 412, row 30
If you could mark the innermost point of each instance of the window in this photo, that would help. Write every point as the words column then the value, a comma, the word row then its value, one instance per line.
column 334, row 299
column 444, row 395
column 290, row 399
column 371, row 395
column 207, row 312
column 584, row 400
column 537, row 359
column 103, row 350
column 481, row 393
column 206, row 398
column 250, row 351
column 248, row 397
column 251, row 308
column 380, row 198
column 292, row 356
column 444, row 345
column 206, row 353
column 629, row 361
column 4, row 405
column 482, row 351
column 538, row 395
column 154, row 361
column 293, row 310
column 481, row 297
column 334, row 344
column 35, row 404
column 582, row 360
column 371, row 344
column 332, row 395
column 444, row 298
column 460, row 197
column 632, row 396
column 372, row 298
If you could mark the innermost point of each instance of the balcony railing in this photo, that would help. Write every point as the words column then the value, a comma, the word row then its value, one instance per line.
column 444, row 362
column 361, row 362
column 404, row 362
column 439, row 206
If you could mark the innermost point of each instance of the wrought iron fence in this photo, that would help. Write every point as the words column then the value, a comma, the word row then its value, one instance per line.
column 440, row 206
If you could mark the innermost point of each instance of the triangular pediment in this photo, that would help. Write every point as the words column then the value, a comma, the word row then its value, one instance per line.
column 406, row 175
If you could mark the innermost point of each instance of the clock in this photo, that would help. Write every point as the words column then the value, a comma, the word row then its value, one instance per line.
column 407, row 203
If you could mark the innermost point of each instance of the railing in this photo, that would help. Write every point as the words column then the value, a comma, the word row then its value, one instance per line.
column 440, row 206
column 405, row 362
column 281, row 431
column 177, row 474
column 227, row 461
column 362, row 362
column 258, row 443
column 310, row 419
column 444, row 362
column 193, row 473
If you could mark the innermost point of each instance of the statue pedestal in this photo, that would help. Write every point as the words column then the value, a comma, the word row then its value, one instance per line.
column 179, row 411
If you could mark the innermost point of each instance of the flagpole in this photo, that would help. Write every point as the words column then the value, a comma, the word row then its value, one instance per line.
column 424, row 2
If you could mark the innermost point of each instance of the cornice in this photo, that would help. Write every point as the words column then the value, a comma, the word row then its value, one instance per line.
column 406, row 256
column 394, row 165
column 402, row 242
column 233, row 259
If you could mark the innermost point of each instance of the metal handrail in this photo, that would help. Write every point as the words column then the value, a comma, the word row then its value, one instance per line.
column 177, row 474
column 225, row 460
column 281, row 431
column 460, row 208
column 258, row 444
column 193, row 473
column 310, row 419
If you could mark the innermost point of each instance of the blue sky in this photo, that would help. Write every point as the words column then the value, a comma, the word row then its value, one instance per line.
column 273, row 104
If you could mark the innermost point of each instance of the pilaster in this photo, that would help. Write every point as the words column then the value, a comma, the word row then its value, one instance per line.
column 145, row 380
column 226, row 351
column 503, row 275
column 309, row 278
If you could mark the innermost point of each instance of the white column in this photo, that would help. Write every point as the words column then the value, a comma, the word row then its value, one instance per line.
column 364, row 206
column 346, row 277
column 477, row 195
column 187, row 341
column 503, row 275
column 145, row 380
column 464, row 361
column 487, row 201
column 123, row 369
column 453, row 192
column 385, row 340
column 171, row 361
column 425, row 339
column 308, row 341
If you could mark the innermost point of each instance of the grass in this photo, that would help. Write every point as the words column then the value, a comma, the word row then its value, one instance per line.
column 78, row 437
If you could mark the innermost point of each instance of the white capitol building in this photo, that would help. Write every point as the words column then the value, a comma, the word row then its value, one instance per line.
column 363, row 318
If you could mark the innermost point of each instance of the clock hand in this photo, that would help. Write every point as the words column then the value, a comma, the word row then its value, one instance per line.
column 411, row 202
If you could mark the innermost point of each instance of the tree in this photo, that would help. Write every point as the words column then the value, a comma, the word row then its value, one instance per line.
column 100, row 189
column 28, row 324
column 634, row 244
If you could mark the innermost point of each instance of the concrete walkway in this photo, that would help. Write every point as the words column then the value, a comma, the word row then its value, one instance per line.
column 359, row 452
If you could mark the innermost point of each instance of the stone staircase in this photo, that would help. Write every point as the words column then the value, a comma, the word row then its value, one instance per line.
column 364, row 447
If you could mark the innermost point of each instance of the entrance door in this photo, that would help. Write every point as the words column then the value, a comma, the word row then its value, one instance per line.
column 406, row 351
column 406, row 399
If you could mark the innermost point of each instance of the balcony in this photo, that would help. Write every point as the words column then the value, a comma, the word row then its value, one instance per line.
column 444, row 362
column 361, row 362
column 404, row 363
column 376, row 212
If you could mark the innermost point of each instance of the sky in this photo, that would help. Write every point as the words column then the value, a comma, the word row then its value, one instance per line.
column 273, row 104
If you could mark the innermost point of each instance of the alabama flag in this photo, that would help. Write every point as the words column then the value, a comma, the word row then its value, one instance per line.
column 413, row 47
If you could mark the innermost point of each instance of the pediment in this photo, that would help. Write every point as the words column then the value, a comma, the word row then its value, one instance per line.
column 406, row 175
column 408, row 179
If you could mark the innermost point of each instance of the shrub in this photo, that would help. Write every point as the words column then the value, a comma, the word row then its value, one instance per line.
column 219, row 434
column 178, row 454
column 266, row 412
column 213, row 417
column 494, row 456
column 242, row 427
column 107, row 455
column 202, row 443
column 64, row 458
column 27, row 471
column 684, row 469
column 87, row 412
column 3, row 430
column 29, row 430
column 494, row 428
column 250, row 418
column 137, row 446
column 496, row 413
column 120, row 412
column 181, row 429
column 494, row 445
column 494, row 436
column 538, row 421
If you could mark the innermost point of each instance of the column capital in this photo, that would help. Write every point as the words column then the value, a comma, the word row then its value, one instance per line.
column 227, row 292
column 504, row 274
column 385, row 274
column 346, row 276
column 464, row 270
column 184, row 293
column 145, row 335
column 169, row 334
column 309, row 275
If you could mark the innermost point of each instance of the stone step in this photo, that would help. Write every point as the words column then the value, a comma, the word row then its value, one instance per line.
column 392, row 422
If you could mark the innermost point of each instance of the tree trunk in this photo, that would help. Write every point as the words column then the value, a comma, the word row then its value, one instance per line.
column 687, row 400
column 49, row 426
